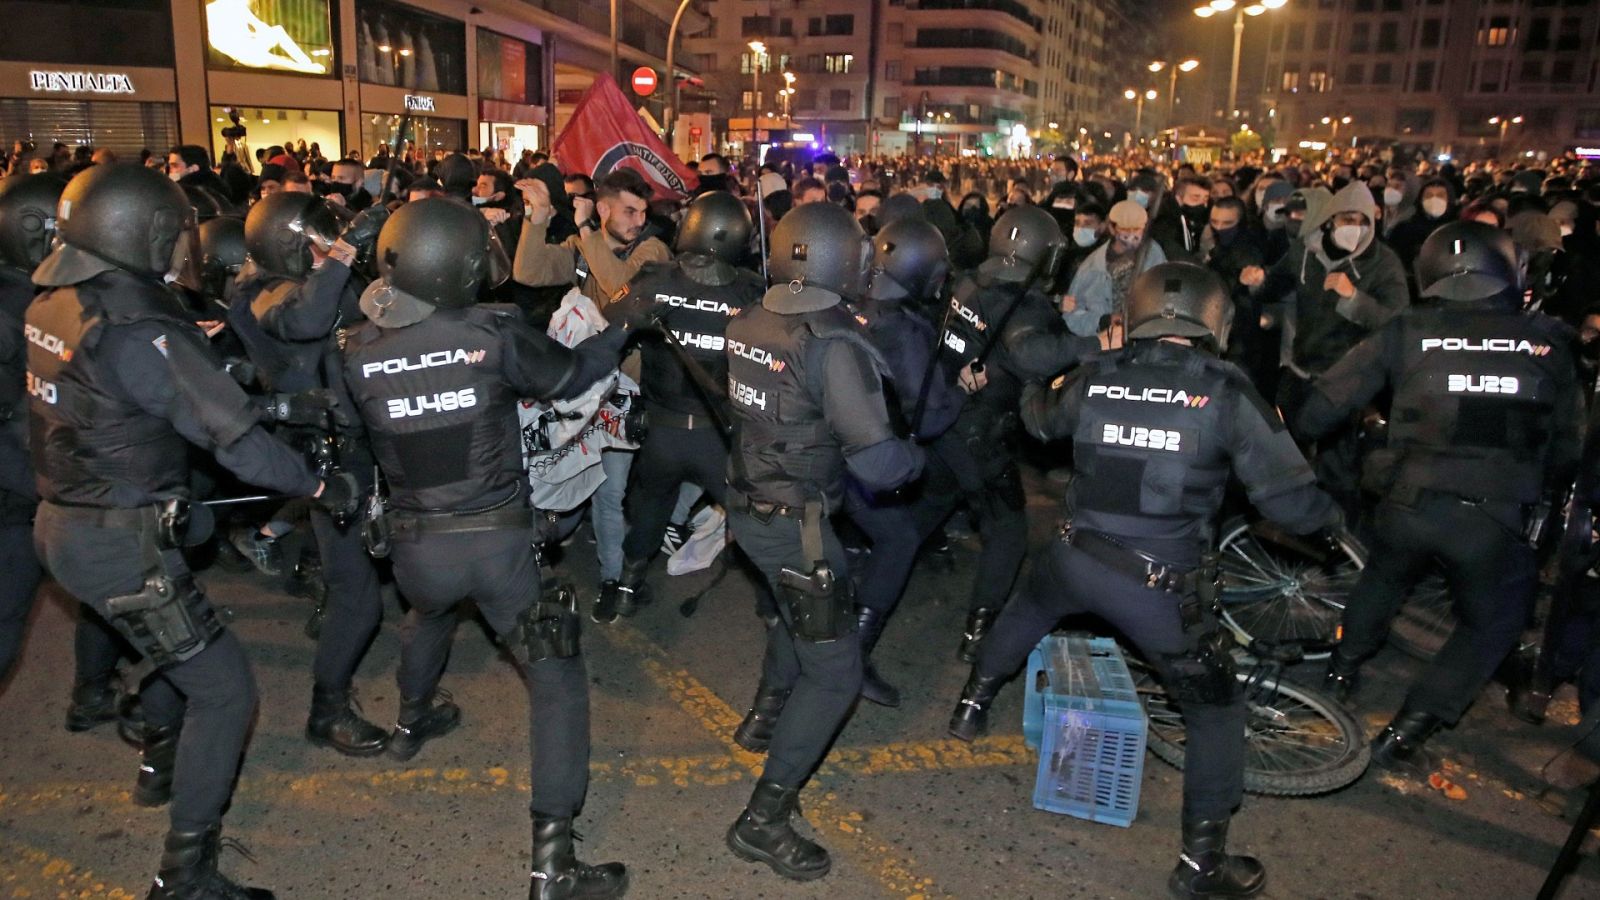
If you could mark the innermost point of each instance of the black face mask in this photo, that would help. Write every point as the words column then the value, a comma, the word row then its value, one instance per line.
column 1197, row 213
column 869, row 223
column 717, row 182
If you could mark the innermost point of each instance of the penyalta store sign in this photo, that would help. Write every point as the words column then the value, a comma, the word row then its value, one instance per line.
column 81, row 82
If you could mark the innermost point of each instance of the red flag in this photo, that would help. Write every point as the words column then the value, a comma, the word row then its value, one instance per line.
column 606, row 133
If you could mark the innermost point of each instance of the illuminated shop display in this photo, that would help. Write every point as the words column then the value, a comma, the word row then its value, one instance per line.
column 277, row 35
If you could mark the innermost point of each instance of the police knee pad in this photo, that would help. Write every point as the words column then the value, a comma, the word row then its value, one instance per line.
column 821, row 608
column 168, row 621
column 550, row 628
column 1206, row 675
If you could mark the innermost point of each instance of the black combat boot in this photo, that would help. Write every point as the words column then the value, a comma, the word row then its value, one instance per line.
column 189, row 871
column 605, row 605
column 979, row 621
column 764, row 834
column 422, row 720
column 1206, row 870
column 156, row 761
column 1343, row 677
column 1398, row 747
column 336, row 722
column 557, row 873
column 869, row 627
column 971, row 716
column 633, row 592
column 755, row 732
column 94, row 703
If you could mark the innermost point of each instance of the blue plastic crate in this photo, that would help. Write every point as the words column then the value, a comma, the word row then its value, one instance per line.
column 1084, row 712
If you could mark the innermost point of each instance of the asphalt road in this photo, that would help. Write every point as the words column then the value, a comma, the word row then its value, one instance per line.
column 906, row 812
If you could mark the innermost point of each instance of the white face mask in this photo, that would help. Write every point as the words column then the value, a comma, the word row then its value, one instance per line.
column 1084, row 237
column 1391, row 196
column 1348, row 237
column 479, row 201
column 175, row 176
column 1140, row 197
column 1435, row 206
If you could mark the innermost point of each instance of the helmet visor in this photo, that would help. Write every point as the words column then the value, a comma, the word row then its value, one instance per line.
column 187, row 269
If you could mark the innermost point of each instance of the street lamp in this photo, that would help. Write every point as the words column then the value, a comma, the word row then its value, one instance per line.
column 1335, row 122
column 757, row 51
column 1504, row 122
column 788, row 92
column 1138, row 106
column 1253, row 10
column 1188, row 65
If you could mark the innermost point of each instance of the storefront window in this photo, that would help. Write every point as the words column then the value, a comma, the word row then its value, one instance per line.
column 272, row 35
column 87, row 32
column 509, row 69
column 124, row 128
column 399, row 46
column 427, row 134
column 265, row 128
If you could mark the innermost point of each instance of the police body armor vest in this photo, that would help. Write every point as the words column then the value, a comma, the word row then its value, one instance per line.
column 1148, row 448
column 441, row 418
column 86, row 442
column 977, row 317
column 783, row 450
column 287, row 366
column 698, row 315
column 1474, row 403
column 16, row 292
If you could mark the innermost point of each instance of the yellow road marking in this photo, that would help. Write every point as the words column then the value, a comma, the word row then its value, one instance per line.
column 29, row 872
column 894, row 869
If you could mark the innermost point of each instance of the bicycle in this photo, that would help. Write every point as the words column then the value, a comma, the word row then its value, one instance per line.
column 1299, row 741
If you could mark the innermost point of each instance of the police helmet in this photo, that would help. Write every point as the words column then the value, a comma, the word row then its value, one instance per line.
column 119, row 215
column 1179, row 299
column 28, row 218
column 1468, row 261
column 716, row 224
column 1026, row 242
column 281, row 228
column 909, row 259
column 900, row 206
column 222, row 253
column 436, row 250
column 820, row 245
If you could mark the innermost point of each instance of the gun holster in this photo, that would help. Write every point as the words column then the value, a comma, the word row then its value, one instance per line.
column 1207, row 674
column 168, row 620
column 551, row 627
column 820, row 605
column 377, row 529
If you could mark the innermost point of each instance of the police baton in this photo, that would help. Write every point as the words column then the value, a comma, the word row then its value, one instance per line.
column 254, row 498
column 394, row 157
column 928, row 371
column 761, row 226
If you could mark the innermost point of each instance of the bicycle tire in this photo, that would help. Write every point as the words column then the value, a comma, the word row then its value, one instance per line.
column 1277, row 594
column 1343, row 768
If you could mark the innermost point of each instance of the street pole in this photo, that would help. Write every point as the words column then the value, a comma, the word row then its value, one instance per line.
column 755, row 88
column 1138, row 116
column 672, row 73
column 1172, row 97
column 614, row 56
column 1233, row 79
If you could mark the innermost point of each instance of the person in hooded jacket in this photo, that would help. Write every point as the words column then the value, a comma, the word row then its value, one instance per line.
column 1337, row 286
column 1436, row 206
column 1272, row 222
column 1182, row 218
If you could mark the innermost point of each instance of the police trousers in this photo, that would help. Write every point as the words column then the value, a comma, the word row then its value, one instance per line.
column 212, row 694
column 500, row 572
column 824, row 679
column 1064, row 582
column 970, row 462
column 1492, row 578
column 668, row 458
column 354, row 602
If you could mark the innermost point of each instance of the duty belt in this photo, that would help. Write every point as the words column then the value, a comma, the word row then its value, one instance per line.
column 136, row 517
column 409, row 526
column 658, row 417
column 1125, row 560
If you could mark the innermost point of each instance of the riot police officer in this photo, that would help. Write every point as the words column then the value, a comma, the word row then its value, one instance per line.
column 695, row 296
column 288, row 308
column 1000, row 330
column 910, row 265
column 436, row 379
column 1486, row 421
column 119, row 384
column 1156, row 429
column 807, row 393
column 27, row 227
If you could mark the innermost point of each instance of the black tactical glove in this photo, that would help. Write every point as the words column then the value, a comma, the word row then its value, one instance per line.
column 364, row 228
column 341, row 495
column 305, row 408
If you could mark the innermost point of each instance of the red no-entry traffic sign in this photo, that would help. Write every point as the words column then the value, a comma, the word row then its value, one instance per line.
column 644, row 81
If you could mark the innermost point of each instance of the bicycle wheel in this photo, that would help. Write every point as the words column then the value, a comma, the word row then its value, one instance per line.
column 1298, row 741
column 1277, row 587
column 1425, row 621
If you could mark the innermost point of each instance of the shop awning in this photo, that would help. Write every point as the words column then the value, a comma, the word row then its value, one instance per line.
column 510, row 113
